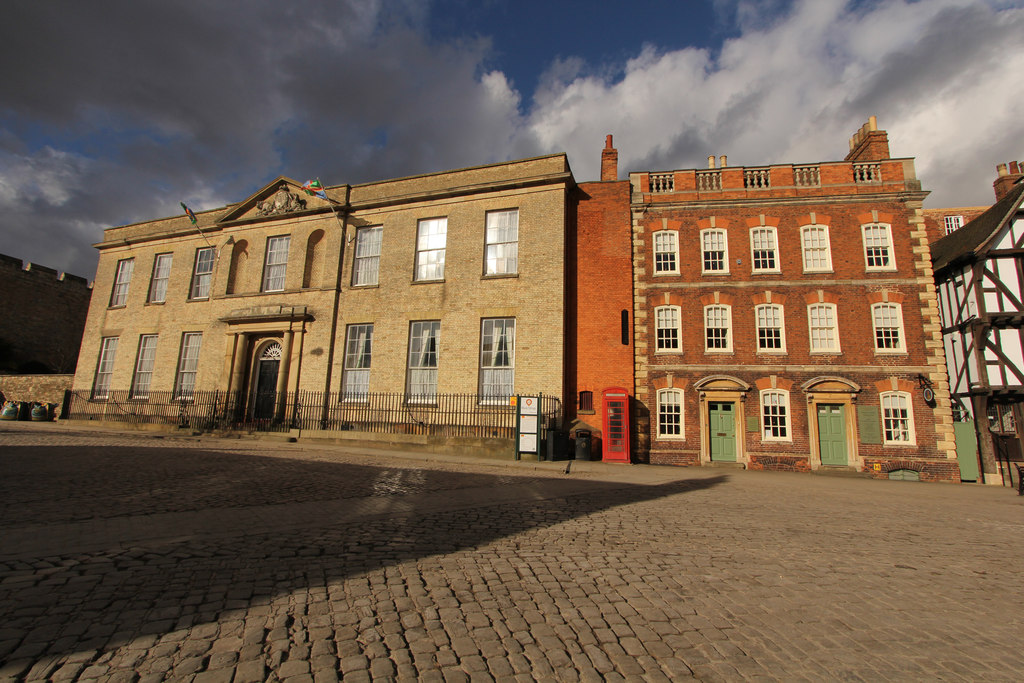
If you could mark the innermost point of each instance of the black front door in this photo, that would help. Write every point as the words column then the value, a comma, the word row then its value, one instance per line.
column 266, row 389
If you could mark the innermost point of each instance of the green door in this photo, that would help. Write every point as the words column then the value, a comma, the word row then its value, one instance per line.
column 966, row 450
column 722, row 419
column 832, row 434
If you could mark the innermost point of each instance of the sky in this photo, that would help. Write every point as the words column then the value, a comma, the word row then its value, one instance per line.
column 114, row 112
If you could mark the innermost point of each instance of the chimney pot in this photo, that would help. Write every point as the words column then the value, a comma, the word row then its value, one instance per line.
column 711, row 161
column 723, row 161
column 872, row 123
column 609, row 161
column 608, row 142
column 1002, row 170
column 1014, row 167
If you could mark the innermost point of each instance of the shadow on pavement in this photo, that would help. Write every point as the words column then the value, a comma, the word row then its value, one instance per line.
column 99, row 601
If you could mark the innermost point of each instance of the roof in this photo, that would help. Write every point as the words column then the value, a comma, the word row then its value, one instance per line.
column 964, row 244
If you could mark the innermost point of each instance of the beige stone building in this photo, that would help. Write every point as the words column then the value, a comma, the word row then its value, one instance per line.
column 443, row 283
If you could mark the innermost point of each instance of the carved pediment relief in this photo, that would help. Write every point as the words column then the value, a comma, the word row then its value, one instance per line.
column 282, row 201
column 280, row 198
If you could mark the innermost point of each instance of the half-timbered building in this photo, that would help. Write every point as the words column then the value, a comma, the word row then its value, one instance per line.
column 979, row 275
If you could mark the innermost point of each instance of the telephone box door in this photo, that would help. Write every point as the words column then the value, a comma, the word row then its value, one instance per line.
column 616, row 425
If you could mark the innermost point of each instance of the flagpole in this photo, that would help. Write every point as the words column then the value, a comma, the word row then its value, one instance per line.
column 195, row 224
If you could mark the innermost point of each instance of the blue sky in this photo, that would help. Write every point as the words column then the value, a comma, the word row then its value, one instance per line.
column 114, row 112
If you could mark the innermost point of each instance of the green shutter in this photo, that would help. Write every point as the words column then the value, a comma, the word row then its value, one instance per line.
column 869, row 425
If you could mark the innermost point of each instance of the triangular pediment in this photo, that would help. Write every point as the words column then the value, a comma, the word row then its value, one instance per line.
column 281, row 198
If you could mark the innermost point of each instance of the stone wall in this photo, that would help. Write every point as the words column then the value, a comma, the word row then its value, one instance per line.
column 43, row 314
column 41, row 388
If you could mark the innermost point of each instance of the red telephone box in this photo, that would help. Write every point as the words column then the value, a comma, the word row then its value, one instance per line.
column 616, row 425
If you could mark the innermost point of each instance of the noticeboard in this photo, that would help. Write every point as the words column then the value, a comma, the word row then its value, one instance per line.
column 526, row 424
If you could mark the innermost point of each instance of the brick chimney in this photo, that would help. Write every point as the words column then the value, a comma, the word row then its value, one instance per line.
column 869, row 143
column 609, row 161
column 1009, row 175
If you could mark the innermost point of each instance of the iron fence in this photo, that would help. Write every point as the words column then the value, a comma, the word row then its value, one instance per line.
column 448, row 415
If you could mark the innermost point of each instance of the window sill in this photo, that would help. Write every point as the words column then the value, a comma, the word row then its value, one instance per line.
column 837, row 352
column 427, row 282
column 118, row 306
column 375, row 285
column 205, row 298
column 499, row 276
column 887, row 269
column 586, row 412
column 899, row 444
column 155, row 303
column 669, row 273
column 766, row 272
column 890, row 352
column 713, row 273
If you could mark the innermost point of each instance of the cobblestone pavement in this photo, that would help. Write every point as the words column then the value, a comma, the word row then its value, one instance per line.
column 130, row 557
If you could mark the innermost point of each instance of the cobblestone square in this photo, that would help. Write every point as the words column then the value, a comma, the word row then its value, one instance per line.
column 145, row 557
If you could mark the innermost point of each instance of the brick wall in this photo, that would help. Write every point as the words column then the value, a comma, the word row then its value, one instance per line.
column 600, row 291
column 35, row 388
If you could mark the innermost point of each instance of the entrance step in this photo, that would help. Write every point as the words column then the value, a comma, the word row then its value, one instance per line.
column 726, row 465
column 839, row 471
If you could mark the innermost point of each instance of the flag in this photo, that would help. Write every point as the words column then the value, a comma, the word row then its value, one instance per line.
column 314, row 189
column 188, row 212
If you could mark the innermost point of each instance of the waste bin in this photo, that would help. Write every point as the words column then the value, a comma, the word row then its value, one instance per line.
column 583, row 445
column 558, row 444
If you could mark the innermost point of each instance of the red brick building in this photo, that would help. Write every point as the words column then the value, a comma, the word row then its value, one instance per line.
column 785, row 318
column 599, row 375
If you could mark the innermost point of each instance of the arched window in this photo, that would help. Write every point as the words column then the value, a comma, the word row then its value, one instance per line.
column 887, row 321
column 764, row 249
column 714, row 252
column 823, row 328
column 771, row 333
column 717, row 328
column 817, row 253
column 897, row 418
column 666, row 252
column 666, row 321
column 775, row 415
column 670, row 414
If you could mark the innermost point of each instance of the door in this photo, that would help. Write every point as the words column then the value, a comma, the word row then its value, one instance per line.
column 266, row 389
column 722, row 423
column 832, row 434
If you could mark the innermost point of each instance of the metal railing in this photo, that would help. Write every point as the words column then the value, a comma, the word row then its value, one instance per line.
column 392, row 413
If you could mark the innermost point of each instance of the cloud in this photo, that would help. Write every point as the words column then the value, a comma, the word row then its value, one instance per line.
column 801, row 78
column 114, row 115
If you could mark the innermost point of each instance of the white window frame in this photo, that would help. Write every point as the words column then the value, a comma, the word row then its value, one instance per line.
column 355, row 375
column 878, row 246
column 897, row 418
column 501, row 242
column 431, row 242
column 668, row 331
column 671, row 423
column 199, row 289
column 158, row 281
column 275, row 263
column 104, row 368
column 145, row 360
column 366, row 262
column 814, row 243
column 705, row 236
column 879, row 331
column 122, row 278
column 188, row 365
column 423, row 362
column 814, row 324
column 953, row 223
column 775, row 414
column 666, row 252
column 764, row 245
column 770, row 313
column 497, row 365
column 727, row 327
